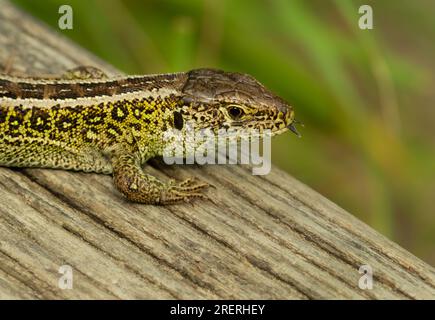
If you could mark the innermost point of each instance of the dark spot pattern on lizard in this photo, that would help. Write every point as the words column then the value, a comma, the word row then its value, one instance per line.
column 84, row 121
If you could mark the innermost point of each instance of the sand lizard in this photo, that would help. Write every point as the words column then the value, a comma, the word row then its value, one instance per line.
column 85, row 121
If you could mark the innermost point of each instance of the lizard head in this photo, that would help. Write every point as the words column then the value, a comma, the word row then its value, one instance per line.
column 223, row 100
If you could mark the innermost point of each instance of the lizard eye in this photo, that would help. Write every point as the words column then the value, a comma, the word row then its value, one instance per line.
column 235, row 112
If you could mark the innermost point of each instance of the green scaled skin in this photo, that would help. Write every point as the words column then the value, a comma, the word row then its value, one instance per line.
column 88, row 122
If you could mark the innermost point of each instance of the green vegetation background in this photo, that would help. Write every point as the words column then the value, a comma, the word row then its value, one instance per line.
column 366, row 97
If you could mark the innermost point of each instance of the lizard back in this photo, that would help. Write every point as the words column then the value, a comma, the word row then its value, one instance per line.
column 71, row 124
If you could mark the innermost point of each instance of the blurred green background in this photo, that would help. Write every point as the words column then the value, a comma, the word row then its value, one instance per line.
column 366, row 96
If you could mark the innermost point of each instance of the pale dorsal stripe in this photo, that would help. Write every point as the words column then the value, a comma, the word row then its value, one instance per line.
column 88, row 101
column 46, row 89
column 149, row 78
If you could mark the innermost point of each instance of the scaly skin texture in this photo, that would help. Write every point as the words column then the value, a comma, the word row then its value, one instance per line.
column 85, row 121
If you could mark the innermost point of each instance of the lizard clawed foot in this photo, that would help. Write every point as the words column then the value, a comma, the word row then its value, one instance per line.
column 184, row 191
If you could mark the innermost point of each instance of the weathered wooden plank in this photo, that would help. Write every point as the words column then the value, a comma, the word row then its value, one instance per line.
column 263, row 237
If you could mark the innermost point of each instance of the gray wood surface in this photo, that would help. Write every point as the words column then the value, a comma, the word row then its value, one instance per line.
column 265, row 237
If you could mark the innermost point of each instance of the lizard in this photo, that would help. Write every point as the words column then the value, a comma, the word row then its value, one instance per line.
column 85, row 121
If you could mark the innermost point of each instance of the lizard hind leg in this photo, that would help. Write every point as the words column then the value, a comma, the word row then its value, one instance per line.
column 137, row 186
column 7, row 67
column 84, row 73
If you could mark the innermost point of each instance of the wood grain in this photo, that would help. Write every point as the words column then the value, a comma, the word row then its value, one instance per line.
column 265, row 237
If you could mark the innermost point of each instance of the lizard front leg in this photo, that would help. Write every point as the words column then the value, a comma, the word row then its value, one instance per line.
column 137, row 186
